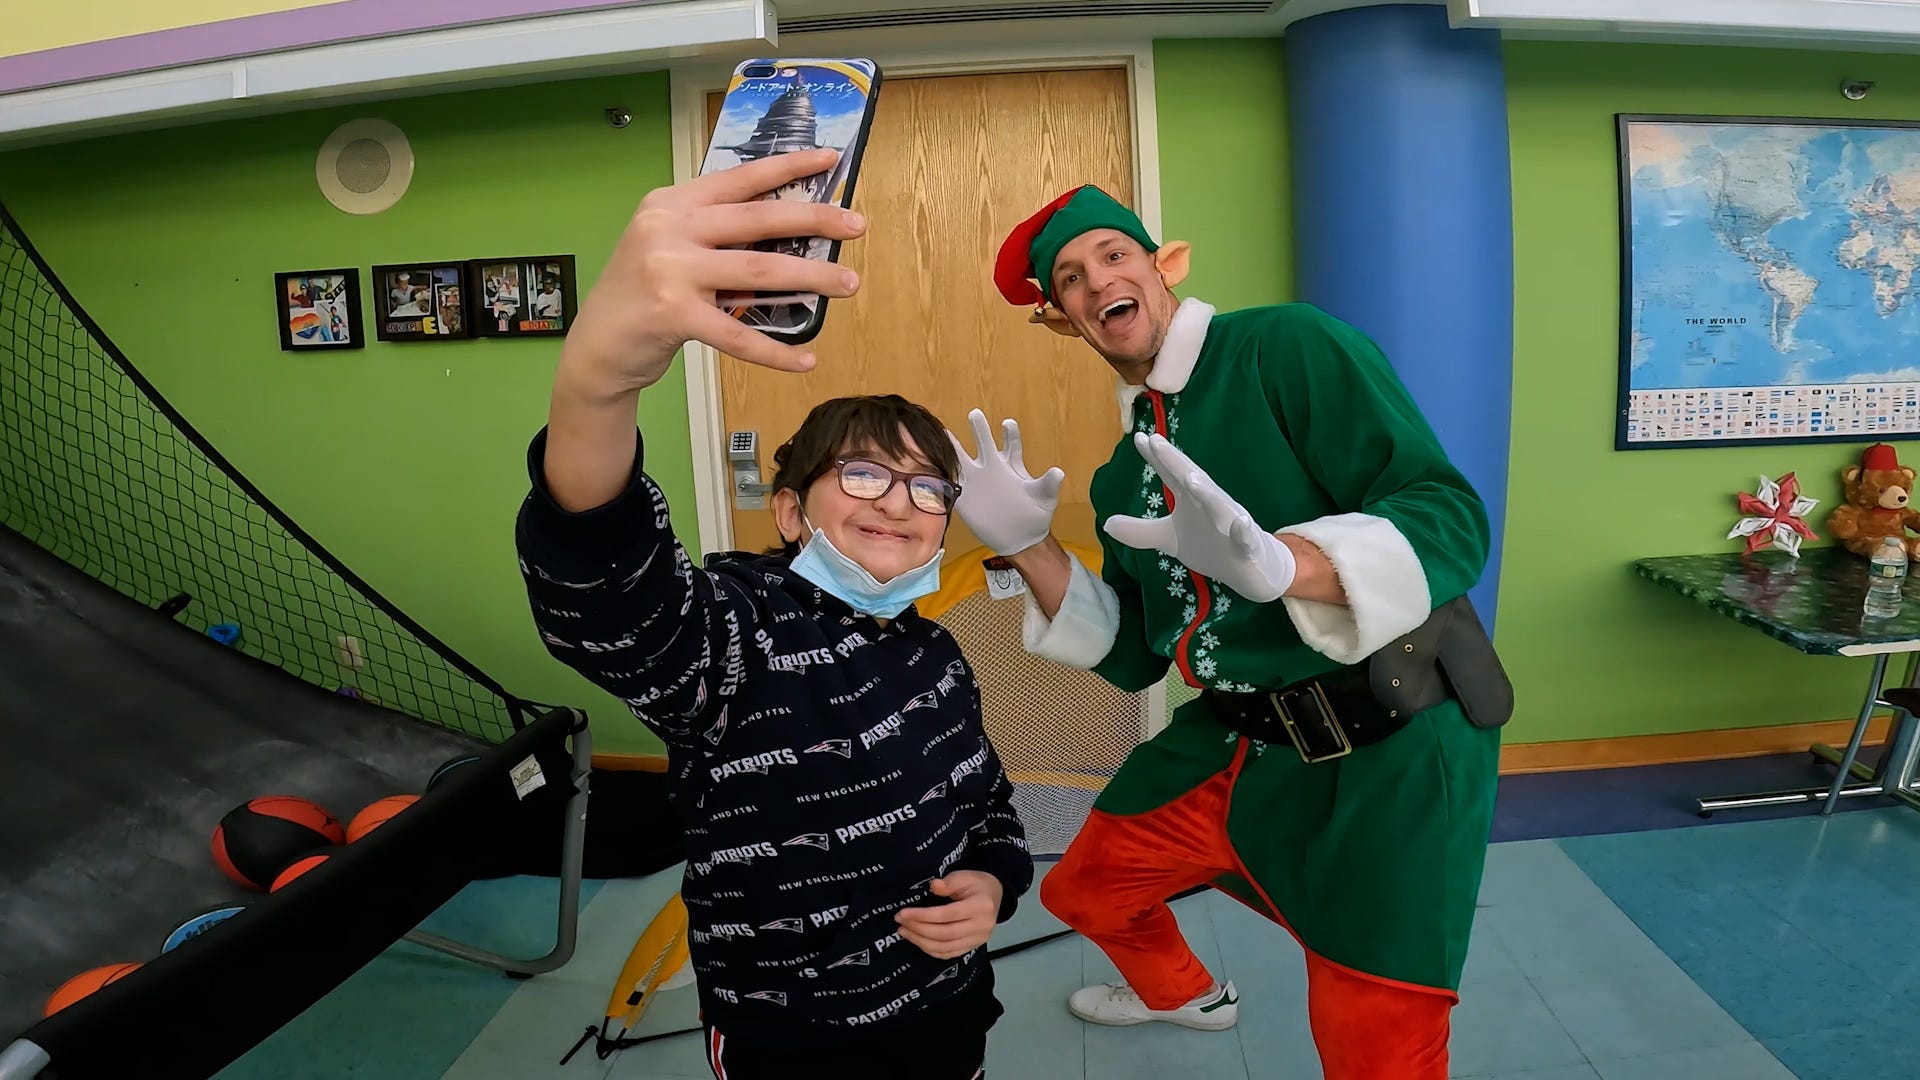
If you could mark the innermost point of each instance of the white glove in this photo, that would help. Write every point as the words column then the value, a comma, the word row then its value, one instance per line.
column 1207, row 531
column 1006, row 508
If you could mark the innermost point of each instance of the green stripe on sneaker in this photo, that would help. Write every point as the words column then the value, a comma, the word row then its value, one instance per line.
column 1224, row 999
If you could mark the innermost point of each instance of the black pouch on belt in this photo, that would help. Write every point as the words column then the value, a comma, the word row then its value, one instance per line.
column 1448, row 655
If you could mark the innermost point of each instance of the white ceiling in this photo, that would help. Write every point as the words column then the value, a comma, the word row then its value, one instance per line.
column 1850, row 24
column 570, row 45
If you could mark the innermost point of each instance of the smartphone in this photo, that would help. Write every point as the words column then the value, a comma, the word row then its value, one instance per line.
column 776, row 106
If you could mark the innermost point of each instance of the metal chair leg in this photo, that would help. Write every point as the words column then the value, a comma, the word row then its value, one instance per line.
column 572, row 855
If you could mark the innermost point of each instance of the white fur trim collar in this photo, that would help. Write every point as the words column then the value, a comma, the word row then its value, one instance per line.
column 1186, row 332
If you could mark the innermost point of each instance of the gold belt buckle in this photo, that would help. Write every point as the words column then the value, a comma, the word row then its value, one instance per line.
column 1322, row 718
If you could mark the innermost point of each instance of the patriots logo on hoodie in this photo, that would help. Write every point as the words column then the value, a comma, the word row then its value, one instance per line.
column 778, row 997
column 843, row 747
column 796, row 925
column 719, row 728
column 812, row 839
column 627, row 583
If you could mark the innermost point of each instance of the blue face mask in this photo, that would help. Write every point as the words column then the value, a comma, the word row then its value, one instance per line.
column 828, row 567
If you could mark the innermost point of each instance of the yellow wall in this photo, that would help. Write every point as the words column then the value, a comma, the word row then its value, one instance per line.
column 81, row 21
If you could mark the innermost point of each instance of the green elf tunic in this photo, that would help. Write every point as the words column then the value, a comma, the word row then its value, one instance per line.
column 1373, row 860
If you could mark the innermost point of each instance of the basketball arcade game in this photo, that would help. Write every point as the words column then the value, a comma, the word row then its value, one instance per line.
column 164, row 633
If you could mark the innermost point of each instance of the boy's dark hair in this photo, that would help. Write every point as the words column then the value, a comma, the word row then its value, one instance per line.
column 873, row 422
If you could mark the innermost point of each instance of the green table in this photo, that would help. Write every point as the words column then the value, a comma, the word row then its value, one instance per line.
column 1814, row 604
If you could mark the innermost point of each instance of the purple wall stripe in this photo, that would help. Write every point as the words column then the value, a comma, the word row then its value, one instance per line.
column 326, row 24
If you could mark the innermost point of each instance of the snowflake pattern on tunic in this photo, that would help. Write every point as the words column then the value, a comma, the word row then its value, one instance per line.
column 1179, row 579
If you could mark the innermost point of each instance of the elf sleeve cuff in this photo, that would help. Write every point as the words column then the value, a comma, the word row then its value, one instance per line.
column 1081, row 633
column 1386, row 587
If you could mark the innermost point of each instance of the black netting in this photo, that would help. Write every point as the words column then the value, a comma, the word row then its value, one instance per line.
column 98, row 469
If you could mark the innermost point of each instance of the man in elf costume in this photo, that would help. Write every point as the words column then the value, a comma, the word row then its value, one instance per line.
column 1283, row 528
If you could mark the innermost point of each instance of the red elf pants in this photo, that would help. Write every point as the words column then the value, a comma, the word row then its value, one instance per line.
column 1112, row 886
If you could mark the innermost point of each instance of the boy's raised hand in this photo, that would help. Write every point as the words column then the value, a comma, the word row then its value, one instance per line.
column 959, row 926
column 682, row 248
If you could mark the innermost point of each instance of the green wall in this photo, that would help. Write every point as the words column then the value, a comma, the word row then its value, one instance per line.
column 1211, row 94
column 1219, row 101
column 406, row 460
column 1593, row 650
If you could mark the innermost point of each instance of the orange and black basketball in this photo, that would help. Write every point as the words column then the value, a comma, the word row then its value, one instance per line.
column 376, row 814
column 86, row 983
column 298, row 867
column 256, row 841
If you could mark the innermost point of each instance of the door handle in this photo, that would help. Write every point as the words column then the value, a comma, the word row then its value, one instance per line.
column 743, row 461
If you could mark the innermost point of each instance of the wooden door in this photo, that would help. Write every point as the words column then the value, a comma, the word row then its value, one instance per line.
column 953, row 163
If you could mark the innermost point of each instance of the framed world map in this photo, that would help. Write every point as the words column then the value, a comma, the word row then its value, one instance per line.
column 1770, row 281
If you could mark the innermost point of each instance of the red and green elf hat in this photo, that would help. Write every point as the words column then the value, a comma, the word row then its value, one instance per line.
column 1023, row 271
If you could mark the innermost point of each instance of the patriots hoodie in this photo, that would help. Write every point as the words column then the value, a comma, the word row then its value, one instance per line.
column 827, row 768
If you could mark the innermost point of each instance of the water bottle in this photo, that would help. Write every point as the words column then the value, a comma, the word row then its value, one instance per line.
column 1886, row 577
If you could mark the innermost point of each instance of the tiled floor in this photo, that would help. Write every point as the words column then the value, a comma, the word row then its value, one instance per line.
column 1560, row 984
column 1763, row 949
column 1800, row 928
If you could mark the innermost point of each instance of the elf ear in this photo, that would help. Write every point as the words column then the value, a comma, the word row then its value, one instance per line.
column 1055, row 320
column 1172, row 261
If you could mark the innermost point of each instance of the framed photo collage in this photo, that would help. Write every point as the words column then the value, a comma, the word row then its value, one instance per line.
column 519, row 296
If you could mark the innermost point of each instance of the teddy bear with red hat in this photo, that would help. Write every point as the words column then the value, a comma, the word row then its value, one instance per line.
column 1877, row 504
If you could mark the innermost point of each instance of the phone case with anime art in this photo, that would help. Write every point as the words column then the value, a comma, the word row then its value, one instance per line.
column 777, row 106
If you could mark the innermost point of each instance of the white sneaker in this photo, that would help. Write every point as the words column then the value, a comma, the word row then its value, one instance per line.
column 1117, row 1005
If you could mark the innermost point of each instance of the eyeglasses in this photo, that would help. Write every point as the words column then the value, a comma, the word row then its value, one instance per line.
column 871, row 480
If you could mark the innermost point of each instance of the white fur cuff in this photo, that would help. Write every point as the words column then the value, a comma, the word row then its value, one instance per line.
column 1386, row 587
column 1081, row 633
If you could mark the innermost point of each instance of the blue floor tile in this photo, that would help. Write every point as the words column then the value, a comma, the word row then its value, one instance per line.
column 1502, row 1025
column 1793, row 926
column 1847, row 1053
column 684, row 1058
column 412, row 1011
column 1637, row 1011
column 1565, row 1072
column 529, row 1034
column 1550, row 919
column 1038, row 1036
column 1779, row 984
column 1749, row 1062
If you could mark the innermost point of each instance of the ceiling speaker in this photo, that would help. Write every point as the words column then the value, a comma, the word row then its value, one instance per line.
column 364, row 166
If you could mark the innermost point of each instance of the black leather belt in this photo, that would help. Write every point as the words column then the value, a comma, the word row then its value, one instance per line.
column 1324, row 718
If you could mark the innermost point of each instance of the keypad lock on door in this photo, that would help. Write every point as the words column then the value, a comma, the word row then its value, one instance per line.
column 743, row 459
